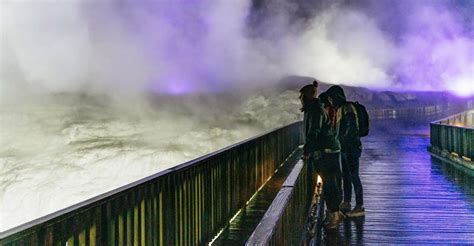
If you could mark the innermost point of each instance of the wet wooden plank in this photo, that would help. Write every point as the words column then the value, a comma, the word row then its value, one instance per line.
column 410, row 198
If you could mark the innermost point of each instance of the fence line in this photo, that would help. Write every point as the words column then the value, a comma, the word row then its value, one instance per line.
column 454, row 134
column 414, row 112
column 284, row 222
column 184, row 205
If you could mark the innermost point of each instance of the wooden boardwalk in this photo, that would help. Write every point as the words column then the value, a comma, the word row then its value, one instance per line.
column 410, row 197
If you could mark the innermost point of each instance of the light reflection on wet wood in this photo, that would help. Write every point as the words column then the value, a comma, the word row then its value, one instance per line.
column 409, row 197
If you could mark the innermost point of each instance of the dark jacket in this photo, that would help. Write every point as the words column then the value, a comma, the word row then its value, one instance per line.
column 318, row 133
column 348, row 129
column 347, row 123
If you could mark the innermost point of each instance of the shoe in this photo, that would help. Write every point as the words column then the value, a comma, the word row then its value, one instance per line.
column 334, row 219
column 345, row 207
column 358, row 211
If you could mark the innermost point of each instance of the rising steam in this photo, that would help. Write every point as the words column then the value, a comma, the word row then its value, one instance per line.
column 186, row 46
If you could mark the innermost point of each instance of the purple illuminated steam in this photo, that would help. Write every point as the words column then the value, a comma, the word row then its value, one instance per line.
column 181, row 46
column 433, row 47
column 436, row 51
column 177, row 88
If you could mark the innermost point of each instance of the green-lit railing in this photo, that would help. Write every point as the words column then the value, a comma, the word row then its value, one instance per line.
column 185, row 205
column 285, row 220
column 454, row 135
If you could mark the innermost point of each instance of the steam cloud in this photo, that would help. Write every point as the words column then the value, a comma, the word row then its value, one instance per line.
column 186, row 46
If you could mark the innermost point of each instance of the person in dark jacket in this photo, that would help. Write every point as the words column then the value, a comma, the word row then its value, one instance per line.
column 351, row 149
column 322, row 150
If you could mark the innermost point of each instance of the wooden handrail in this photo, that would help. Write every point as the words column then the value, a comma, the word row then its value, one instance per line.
column 284, row 221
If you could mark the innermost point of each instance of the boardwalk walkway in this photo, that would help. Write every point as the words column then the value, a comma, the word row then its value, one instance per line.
column 410, row 197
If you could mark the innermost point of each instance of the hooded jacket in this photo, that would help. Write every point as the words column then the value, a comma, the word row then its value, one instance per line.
column 318, row 133
column 347, row 123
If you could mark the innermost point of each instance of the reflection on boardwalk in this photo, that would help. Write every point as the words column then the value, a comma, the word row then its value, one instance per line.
column 462, row 178
column 409, row 197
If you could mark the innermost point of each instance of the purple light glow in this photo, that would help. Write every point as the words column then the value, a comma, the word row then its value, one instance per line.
column 173, row 86
column 177, row 88
column 437, row 51
column 433, row 47
column 463, row 88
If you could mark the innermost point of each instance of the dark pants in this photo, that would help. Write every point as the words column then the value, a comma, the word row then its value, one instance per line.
column 328, row 167
column 350, row 176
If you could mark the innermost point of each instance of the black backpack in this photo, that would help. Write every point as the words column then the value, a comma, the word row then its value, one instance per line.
column 362, row 118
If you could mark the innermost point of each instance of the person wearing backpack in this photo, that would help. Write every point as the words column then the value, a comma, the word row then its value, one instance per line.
column 322, row 150
column 351, row 148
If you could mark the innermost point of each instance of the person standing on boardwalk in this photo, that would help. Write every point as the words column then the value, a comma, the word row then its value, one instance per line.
column 351, row 149
column 322, row 150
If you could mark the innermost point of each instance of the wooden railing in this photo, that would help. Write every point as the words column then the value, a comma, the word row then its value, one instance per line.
column 464, row 119
column 454, row 134
column 185, row 205
column 285, row 220
column 414, row 113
